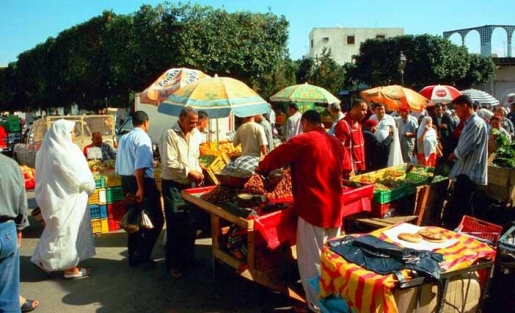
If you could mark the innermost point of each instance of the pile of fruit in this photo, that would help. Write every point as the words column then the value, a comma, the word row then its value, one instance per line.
column 280, row 185
column 213, row 148
column 98, row 165
column 30, row 176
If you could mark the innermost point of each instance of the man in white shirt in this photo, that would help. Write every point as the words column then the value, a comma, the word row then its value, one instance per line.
column 293, row 127
column 252, row 137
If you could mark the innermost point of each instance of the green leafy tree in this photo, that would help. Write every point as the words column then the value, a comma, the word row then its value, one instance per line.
column 327, row 73
column 481, row 69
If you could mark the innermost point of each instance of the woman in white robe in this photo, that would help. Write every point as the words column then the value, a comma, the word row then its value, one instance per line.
column 427, row 143
column 385, row 123
column 63, row 185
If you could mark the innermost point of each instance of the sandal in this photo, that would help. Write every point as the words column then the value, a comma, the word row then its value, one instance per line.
column 82, row 273
column 29, row 305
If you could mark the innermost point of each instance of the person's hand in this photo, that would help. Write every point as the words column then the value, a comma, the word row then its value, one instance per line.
column 195, row 176
column 451, row 157
column 139, row 195
column 428, row 127
column 19, row 238
column 443, row 126
column 391, row 131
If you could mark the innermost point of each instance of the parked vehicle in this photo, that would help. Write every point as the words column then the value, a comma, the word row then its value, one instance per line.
column 85, row 125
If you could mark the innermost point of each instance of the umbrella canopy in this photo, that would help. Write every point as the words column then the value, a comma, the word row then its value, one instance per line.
column 304, row 93
column 217, row 96
column 508, row 100
column 395, row 97
column 169, row 82
column 440, row 93
column 480, row 96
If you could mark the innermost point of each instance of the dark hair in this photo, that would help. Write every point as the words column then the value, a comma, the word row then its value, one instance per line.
column 138, row 118
column 376, row 104
column 202, row 115
column 312, row 116
column 463, row 99
column 293, row 106
column 187, row 110
column 438, row 105
column 357, row 102
column 95, row 133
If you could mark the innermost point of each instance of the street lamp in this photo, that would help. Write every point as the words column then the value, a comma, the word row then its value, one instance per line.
column 402, row 66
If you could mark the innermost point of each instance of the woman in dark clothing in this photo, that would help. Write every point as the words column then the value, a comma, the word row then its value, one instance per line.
column 376, row 152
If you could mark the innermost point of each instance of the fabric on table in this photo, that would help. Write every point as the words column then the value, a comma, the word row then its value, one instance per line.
column 365, row 291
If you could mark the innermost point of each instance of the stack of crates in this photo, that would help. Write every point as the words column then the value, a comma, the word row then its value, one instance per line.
column 97, row 207
column 114, row 199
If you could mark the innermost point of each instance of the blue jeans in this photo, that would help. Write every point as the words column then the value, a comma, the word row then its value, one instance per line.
column 9, row 269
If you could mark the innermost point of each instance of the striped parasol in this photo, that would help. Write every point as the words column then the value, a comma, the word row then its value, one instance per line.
column 480, row 96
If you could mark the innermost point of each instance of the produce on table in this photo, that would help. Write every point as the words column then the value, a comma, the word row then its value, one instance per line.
column 220, row 194
column 28, row 172
column 283, row 188
column 212, row 148
column 99, row 165
column 505, row 153
column 206, row 160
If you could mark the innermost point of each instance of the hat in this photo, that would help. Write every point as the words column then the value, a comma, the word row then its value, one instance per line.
column 403, row 109
column 370, row 123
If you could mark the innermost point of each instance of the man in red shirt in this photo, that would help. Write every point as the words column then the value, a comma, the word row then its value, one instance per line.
column 3, row 138
column 348, row 131
column 315, row 159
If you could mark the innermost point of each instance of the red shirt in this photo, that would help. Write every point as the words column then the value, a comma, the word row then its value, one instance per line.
column 3, row 135
column 315, row 159
column 350, row 134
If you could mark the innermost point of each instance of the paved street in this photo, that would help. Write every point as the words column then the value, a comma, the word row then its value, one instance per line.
column 114, row 287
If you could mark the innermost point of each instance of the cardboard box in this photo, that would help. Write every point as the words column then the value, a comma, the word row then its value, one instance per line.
column 501, row 183
column 456, row 295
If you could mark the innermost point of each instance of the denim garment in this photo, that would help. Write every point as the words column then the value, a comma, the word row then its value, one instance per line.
column 9, row 269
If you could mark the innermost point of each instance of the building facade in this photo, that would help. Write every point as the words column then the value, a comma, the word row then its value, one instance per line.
column 345, row 42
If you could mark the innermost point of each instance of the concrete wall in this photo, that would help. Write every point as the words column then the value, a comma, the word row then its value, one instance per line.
column 502, row 84
column 336, row 39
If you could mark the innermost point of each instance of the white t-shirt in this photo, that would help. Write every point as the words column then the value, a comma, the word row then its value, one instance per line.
column 252, row 136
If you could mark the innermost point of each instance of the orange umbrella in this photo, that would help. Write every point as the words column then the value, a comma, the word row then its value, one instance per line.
column 395, row 97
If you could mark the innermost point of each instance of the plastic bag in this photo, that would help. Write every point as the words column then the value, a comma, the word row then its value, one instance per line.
column 145, row 221
column 131, row 220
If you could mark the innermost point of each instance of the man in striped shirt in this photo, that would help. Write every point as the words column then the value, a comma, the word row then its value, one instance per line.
column 470, row 161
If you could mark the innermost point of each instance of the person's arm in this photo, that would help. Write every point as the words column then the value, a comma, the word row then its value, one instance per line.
column 264, row 150
column 468, row 141
column 280, row 156
column 140, row 179
column 263, row 141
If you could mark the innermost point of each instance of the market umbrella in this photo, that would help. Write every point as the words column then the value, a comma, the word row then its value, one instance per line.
column 395, row 97
column 304, row 93
column 508, row 100
column 169, row 82
column 480, row 96
column 217, row 96
column 440, row 93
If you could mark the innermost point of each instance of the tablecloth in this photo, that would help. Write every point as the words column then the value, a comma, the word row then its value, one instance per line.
column 365, row 291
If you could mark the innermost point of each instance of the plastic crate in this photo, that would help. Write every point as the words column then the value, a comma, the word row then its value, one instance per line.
column 114, row 194
column 114, row 222
column 100, row 181
column 385, row 196
column 217, row 166
column 98, row 211
column 380, row 210
column 98, row 197
column 413, row 180
column 116, row 208
column 99, row 226
column 357, row 199
column 113, row 180
column 480, row 229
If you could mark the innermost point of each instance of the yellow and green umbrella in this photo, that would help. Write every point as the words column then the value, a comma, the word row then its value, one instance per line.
column 218, row 96
column 304, row 93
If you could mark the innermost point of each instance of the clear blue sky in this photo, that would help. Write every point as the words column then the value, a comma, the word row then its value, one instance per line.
column 26, row 23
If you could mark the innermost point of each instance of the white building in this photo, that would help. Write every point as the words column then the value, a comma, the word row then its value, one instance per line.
column 345, row 42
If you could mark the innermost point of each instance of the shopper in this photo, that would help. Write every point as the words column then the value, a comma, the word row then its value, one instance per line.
column 315, row 159
column 181, row 169
column 135, row 164
column 63, row 185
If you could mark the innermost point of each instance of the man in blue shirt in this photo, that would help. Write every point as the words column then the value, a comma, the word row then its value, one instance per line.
column 470, row 162
column 135, row 164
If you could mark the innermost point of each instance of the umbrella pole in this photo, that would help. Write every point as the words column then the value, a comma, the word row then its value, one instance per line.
column 217, row 134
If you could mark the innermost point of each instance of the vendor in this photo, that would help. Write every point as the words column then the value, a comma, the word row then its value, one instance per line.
column 97, row 142
column 316, row 169
column 252, row 138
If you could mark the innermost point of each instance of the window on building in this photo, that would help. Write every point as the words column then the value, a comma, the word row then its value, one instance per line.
column 351, row 40
column 326, row 39
column 311, row 43
column 380, row 36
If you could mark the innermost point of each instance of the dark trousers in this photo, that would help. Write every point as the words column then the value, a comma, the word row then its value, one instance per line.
column 180, row 226
column 461, row 202
column 141, row 243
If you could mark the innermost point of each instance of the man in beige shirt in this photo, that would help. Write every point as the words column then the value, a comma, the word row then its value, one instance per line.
column 252, row 137
column 181, row 169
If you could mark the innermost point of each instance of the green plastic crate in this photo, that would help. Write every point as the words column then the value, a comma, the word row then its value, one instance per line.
column 100, row 181
column 114, row 194
column 386, row 196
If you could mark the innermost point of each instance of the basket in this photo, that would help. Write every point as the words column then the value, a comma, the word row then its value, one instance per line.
column 98, row 211
column 98, row 197
column 480, row 229
column 99, row 226
column 114, row 194
column 385, row 196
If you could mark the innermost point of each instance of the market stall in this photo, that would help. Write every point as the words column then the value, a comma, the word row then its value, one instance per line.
column 366, row 291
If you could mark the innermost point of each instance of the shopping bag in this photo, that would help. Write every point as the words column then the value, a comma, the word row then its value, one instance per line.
column 145, row 221
column 131, row 220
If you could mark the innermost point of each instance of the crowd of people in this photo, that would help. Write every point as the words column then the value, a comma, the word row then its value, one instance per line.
column 357, row 142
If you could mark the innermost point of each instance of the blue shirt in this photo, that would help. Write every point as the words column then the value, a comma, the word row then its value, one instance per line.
column 471, row 152
column 135, row 152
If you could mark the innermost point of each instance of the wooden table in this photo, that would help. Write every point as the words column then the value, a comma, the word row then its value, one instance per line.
column 247, row 267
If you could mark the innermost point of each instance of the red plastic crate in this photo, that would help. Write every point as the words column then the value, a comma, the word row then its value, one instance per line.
column 277, row 228
column 479, row 228
column 357, row 199
column 116, row 208
column 114, row 222
column 380, row 210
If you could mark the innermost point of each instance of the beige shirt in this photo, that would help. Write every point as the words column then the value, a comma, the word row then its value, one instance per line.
column 252, row 136
column 178, row 157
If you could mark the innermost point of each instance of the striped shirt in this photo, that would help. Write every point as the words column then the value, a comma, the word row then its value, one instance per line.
column 350, row 134
column 135, row 152
column 471, row 152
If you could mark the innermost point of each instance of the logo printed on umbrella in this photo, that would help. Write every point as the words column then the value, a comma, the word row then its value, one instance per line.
column 511, row 99
column 441, row 93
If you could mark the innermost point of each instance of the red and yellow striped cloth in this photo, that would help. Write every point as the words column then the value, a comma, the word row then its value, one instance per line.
column 365, row 291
